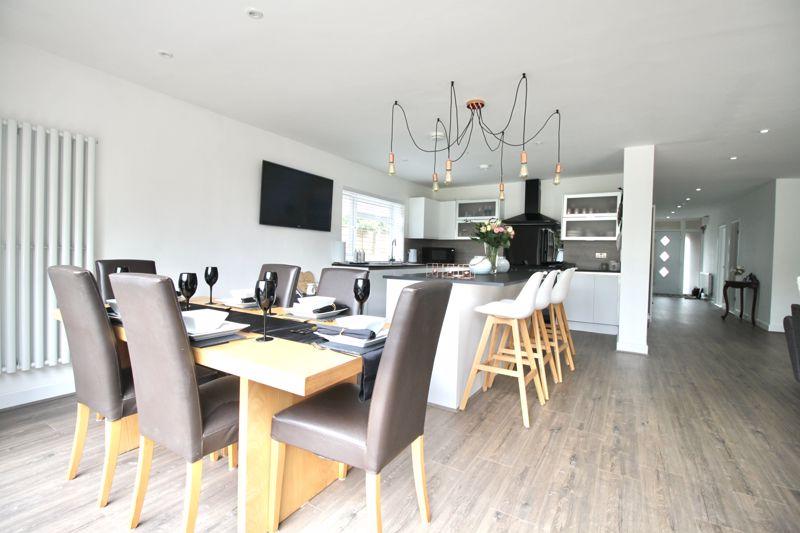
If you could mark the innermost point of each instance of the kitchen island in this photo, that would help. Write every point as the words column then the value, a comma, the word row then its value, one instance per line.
column 462, row 326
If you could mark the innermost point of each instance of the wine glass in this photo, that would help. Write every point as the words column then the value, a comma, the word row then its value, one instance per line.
column 187, row 283
column 211, row 275
column 121, row 269
column 361, row 293
column 265, row 296
column 273, row 277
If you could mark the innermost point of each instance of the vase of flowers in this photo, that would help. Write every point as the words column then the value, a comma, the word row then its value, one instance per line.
column 494, row 235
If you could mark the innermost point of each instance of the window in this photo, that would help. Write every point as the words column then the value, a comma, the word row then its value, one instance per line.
column 370, row 224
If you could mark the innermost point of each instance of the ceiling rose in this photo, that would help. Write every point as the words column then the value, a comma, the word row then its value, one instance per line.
column 459, row 139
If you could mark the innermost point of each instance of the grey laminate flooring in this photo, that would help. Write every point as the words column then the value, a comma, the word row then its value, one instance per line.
column 702, row 435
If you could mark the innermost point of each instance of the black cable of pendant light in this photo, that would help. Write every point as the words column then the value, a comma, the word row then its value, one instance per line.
column 414, row 141
column 524, row 111
column 501, row 156
column 529, row 139
column 558, row 137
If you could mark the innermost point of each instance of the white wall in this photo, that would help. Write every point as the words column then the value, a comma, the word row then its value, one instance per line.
column 176, row 182
column 786, row 251
column 552, row 196
column 755, row 211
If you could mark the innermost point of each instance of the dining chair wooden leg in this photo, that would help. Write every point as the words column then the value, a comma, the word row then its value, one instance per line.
column 214, row 456
column 276, row 464
column 374, row 501
column 549, row 357
column 537, row 337
column 563, row 314
column 233, row 456
column 98, row 417
column 142, row 477
column 556, row 348
column 78, row 440
column 113, row 432
column 487, row 328
column 418, row 460
column 342, row 467
column 562, row 319
column 526, row 340
column 191, row 498
column 523, row 396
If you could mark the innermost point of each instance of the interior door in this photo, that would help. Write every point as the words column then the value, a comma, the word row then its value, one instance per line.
column 668, row 264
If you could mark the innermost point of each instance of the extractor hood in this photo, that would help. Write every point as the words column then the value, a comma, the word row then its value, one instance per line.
column 532, row 216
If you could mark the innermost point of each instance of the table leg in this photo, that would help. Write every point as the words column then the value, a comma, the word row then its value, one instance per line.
column 741, row 302
column 725, row 297
column 305, row 474
column 753, row 309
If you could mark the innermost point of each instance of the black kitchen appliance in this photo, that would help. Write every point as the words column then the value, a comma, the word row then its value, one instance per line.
column 534, row 242
column 437, row 254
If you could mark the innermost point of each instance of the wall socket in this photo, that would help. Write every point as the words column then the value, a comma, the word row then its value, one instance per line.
column 600, row 255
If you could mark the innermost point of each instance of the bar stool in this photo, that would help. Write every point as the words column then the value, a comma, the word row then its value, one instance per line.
column 514, row 315
column 559, row 326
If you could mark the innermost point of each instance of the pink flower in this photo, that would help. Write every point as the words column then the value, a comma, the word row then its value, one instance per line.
column 499, row 229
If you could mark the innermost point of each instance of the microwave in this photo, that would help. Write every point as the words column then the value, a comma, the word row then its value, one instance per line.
column 436, row 254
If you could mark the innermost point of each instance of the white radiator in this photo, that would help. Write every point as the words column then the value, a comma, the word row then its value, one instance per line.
column 47, row 186
column 705, row 280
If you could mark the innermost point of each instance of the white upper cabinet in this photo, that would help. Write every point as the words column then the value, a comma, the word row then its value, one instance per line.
column 590, row 217
column 468, row 212
column 447, row 220
column 423, row 218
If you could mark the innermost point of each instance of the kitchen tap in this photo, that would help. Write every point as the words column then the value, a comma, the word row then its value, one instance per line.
column 391, row 258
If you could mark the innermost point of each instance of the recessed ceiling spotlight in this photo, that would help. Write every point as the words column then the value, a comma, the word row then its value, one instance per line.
column 765, row 130
column 165, row 54
column 733, row 157
column 537, row 142
column 484, row 166
column 673, row 212
column 254, row 13
column 668, row 216
column 679, row 206
column 698, row 189
column 687, row 198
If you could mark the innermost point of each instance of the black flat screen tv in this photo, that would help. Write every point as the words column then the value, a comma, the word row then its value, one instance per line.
column 295, row 199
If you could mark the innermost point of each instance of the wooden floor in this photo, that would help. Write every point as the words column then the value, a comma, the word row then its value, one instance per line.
column 702, row 435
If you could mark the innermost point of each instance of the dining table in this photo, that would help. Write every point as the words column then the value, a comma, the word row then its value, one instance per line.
column 273, row 375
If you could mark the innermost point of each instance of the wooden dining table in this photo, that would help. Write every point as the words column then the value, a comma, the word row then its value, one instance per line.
column 273, row 375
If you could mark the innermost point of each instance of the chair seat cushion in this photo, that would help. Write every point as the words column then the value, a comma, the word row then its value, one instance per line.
column 205, row 374
column 219, row 409
column 332, row 424
column 504, row 309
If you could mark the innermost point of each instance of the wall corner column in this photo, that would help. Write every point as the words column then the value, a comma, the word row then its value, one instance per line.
column 637, row 224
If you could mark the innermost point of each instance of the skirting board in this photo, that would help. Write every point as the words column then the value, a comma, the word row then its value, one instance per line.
column 21, row 388
column 605, row 329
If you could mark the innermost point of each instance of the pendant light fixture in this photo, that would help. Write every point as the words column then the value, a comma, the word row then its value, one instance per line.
column 457, row 137
column 502, row 195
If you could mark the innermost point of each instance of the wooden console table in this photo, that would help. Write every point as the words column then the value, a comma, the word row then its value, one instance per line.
column 741, row 285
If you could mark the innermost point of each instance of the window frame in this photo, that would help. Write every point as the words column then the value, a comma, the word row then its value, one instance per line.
column 396, row 231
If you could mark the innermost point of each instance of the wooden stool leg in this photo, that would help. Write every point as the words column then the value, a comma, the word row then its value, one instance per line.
column 492, row 346
column 537, row 336
column 233, row 456
column 78, row 440
column 526, row 339
column 374, row 501
column 191, row 498
column 342, row 467
column 276, row 464
column 549, row 356
column 418, row 461
column 487, row 328
column 563, row 314
column 113, row 432
column 556, row 348
column 142, row 477
column 500, row 348
column 523, row 396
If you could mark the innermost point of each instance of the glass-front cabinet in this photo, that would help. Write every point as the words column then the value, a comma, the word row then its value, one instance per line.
column 590, row 217
column 468, row 212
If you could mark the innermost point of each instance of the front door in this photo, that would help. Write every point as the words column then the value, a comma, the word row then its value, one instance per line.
column 667, row 266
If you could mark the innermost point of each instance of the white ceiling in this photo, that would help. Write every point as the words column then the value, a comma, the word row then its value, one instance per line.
column 698, row 79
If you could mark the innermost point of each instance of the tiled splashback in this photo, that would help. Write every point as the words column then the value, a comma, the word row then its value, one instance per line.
column 582, row 253
column 465, row 249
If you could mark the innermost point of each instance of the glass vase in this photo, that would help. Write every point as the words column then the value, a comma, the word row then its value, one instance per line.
column 491, row 255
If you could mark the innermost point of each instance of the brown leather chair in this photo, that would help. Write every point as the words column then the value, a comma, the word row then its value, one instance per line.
column 791, row 329
column 189, row 420
column 102, row 384
column 338, row 282
column 368, row 435
column 104, row 267
column 287, row 282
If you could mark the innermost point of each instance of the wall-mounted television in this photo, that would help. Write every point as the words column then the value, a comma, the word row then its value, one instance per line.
column 295, row 199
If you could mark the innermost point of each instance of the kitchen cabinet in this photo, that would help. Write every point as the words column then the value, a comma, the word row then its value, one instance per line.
column 447, row 220
column 469, row 212
column 423, row 218
column 590, row 217
column 593, row 302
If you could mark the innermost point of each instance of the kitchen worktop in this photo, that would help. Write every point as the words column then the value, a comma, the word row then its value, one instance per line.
column 380, row 265
column 512, row 277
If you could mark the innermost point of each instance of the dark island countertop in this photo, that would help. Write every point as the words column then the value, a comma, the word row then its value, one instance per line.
column 380, row 265
column 512, row 277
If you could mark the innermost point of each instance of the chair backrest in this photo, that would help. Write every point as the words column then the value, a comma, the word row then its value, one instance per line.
column 546, row 290
column 791, row 328
column 104, row 267
column 92, row 345
column 162, row 361
column 400, row 398
column 338, row 282
column 287, row 281
column 561, row 288
column 527, row 296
